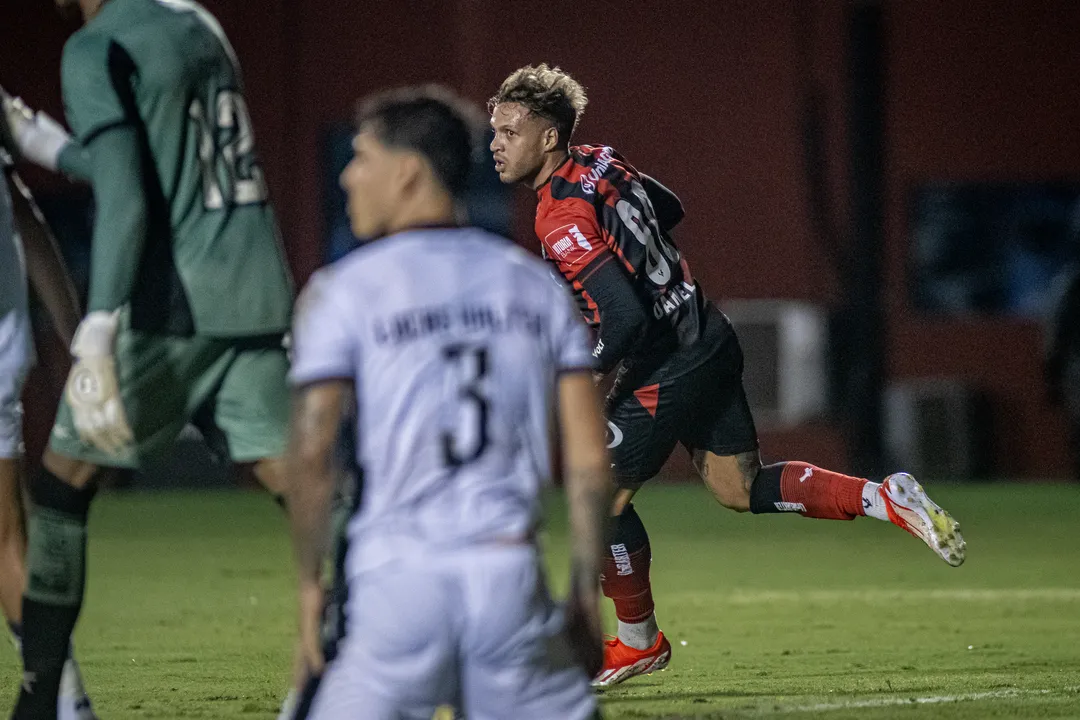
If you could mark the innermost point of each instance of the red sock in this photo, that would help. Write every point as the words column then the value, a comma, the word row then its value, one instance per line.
column 821, row 493
column 625, row 574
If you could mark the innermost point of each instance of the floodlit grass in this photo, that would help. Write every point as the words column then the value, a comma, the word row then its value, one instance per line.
column 190, row 610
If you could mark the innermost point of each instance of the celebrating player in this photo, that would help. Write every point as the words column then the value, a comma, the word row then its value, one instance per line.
column 606, row 228
column 457, row 347
column 189, row 292
column 26, row 249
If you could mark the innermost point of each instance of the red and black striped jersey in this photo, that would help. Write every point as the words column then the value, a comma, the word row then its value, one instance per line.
column 594, row 211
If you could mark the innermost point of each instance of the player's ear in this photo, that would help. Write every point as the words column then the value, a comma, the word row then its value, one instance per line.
column 409, row 172
column 550, row 138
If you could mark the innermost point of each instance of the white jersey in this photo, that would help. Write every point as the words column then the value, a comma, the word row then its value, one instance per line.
column 16, row 351
column 454, row 338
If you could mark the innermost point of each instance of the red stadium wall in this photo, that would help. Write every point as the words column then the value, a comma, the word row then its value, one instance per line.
column 982, row 91
column 708, row 97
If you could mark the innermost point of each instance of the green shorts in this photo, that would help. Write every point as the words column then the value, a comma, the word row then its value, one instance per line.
column 233, row 390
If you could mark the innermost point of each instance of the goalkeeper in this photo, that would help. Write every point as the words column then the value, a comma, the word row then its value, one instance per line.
column 189, row 293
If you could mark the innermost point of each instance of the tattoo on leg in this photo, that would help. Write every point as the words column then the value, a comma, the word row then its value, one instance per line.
column 749, row 464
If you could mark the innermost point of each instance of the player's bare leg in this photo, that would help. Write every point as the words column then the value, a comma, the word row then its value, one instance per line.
column 639, row 647
column 60, row 495
column 622, row 500
column 741, row 483
column 729, row 477
column 271, row 474
column 12, row 541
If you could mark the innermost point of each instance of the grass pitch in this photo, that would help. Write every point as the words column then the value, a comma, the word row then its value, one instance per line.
column 189, row 611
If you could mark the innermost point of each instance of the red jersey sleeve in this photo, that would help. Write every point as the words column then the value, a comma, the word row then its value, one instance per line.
column 572, row 238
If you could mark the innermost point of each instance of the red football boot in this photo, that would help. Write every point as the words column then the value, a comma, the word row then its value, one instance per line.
column 622, row 662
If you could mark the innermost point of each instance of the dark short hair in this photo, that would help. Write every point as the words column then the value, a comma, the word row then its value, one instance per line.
column 430, row 120
column 548, row 92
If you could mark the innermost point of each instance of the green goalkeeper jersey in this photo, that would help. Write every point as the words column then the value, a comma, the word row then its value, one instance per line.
column 211, row 261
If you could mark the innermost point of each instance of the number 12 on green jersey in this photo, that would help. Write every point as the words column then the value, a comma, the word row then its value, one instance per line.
column 230, row 171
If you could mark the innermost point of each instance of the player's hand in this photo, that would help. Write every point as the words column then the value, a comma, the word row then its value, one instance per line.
column 585, row 629
column 33, row 136
column 311, row 613
column 92, row 391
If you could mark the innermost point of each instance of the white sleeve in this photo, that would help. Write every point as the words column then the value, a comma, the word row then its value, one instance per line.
column 323, row 348
column 571, row 345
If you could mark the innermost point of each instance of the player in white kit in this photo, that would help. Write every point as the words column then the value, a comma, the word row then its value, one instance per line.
column 26, row 248
column 461, row 351
column 16, row 347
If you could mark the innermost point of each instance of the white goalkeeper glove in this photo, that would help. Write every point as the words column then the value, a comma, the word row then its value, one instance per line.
column 34, row 136
column 92, row 391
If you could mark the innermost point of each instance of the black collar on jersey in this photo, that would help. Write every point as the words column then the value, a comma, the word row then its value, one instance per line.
column 555, row 172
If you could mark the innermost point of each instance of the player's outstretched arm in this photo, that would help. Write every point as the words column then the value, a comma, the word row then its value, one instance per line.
column 120, row 228
column 122, row 218
column 37, row 138
column 45, row 265
column 316, row 420
column 589, row 486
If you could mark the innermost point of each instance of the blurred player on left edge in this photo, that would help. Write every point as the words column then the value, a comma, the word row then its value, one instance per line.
column 27, row 251
column 190, row 295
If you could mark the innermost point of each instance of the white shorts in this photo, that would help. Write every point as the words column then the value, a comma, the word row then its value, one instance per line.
column 475, row 629
column 16, row 358
column 11, row 383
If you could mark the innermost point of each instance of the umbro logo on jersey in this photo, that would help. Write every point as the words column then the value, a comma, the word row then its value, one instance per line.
column 563, row 246
column 579, row 237
column 571, row 236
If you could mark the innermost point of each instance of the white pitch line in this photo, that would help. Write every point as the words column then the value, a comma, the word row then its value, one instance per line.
column 741, row 597
column 902, row 701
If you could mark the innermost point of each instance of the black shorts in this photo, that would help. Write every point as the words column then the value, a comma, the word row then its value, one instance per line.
column 704, row 409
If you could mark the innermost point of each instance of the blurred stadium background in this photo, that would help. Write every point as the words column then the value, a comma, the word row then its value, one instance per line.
column 884, row 195
column 893, row 186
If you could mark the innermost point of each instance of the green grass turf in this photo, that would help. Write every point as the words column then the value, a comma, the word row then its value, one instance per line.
column 190, row 610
